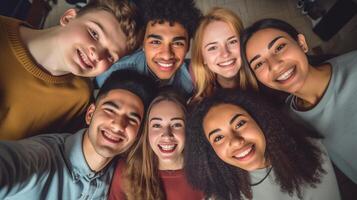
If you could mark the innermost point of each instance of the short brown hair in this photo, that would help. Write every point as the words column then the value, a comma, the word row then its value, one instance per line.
column 126, row 13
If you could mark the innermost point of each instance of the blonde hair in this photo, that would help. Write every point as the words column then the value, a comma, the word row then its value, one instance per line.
column 127, row 15
column 203, row 77
column 141, row 175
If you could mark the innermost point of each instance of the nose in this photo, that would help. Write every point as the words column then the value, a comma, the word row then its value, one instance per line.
column 118, row 124
column 236, row 140
column 225, row 52
column 274, row 63
column 166, row 52
column 97, row 53
column 167, row 132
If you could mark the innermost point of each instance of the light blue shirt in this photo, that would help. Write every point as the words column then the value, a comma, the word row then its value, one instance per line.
column 335, row 116
column 50, row 166
column 269, row 189
column 181, row 80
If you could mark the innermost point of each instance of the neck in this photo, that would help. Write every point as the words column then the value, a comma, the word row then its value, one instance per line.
column 171, row 164
column 95, row 161
column 227, row 82
column 44, row 47
column 315, row 84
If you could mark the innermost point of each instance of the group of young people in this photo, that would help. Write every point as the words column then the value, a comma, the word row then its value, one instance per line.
column 163, row 126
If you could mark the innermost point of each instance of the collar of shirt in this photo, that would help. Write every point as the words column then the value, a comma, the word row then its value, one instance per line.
column 76, row 161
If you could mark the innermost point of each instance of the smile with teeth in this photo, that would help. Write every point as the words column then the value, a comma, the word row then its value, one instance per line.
column 167, row 65
column 286, row 75
column 227, row 63
column 244, row 153
column 84, row 59
column 167, row 148
column 114, row 138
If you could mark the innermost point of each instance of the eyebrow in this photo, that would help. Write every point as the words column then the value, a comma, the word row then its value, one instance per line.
column 172, row 119
column 234, row 118
column 177, row 118
column 213, row 132
column 179, row 38
column 99, row 25
column 159, row 37
column 217, row 42
column 110, row 103
column 271, row 43
column 154, row 36
column 116, row 106
column 230, row 122
column 254, row 58
column 155, row 118
column 136, row 115
column 210, row 44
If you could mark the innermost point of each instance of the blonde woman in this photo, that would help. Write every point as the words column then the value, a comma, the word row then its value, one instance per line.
column 154, row 169
column 216, row 56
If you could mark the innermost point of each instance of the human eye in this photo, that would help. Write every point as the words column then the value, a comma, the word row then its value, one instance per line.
column 177, row 125
column 240, row 123
column 94, row 34
column 218, row 138
column 233, row 41
column 280, row 47
column 133, row 120
column 178, row 43
column 111, row 58
column 258, row 65
column 156, row 125
column 108, row 110
column 155, row 42
column 212, row 48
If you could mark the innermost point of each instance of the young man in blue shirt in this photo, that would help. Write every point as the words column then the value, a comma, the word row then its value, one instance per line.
column 80, row 165
column 170, row 25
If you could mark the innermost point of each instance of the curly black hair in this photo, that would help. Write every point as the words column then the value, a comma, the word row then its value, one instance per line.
column 295, row 158
column 183, row 12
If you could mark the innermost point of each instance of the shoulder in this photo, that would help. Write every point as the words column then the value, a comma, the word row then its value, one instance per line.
column 134, row 61
column 345, row 61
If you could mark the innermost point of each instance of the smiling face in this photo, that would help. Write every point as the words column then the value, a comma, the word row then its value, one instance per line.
column 277, row 60
column 220, row 49
column 235, row 137
column 167, row 133
column 90, row 43
column 165, row 47
column 114, row 122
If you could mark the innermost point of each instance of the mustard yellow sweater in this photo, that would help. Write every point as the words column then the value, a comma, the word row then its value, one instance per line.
column 31, row 100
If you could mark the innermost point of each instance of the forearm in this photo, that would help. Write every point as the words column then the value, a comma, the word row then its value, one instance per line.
column 21, row 163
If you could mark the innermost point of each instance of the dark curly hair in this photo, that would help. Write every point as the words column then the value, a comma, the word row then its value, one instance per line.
column 295, row 159
column 183, row 12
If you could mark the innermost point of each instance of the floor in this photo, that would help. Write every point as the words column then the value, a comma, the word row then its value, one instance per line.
column 252, row 10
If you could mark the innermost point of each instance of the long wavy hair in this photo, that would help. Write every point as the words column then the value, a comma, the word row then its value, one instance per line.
column 295, row 159
column 141, row 174
column 204, row 78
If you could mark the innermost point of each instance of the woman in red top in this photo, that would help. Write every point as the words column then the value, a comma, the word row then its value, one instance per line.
column 154, row 168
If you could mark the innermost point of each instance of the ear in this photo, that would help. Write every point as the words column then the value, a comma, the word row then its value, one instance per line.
column 89, row 114
column 302, row 43
column 68, row 16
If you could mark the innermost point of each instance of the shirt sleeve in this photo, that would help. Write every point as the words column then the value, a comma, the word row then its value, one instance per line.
column 23, row 163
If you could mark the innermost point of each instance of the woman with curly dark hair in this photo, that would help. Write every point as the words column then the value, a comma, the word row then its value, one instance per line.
column 240, row 147
column 154, row 167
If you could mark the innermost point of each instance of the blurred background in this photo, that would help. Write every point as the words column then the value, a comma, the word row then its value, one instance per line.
column 330, row 26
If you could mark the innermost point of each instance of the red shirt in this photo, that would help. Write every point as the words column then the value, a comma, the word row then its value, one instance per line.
column 175, row 185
